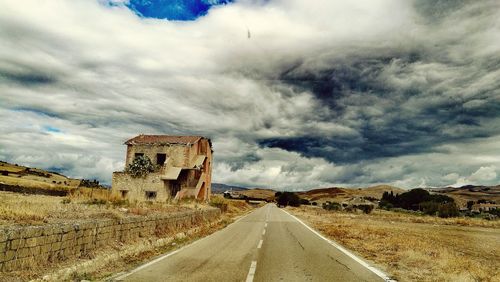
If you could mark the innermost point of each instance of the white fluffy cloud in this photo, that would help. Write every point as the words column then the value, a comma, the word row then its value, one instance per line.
column 483, row 176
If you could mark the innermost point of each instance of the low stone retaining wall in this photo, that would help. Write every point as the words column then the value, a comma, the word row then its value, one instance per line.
column 21, row 247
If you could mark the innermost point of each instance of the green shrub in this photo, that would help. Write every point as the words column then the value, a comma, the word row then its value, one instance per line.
column 141, row 166
column 365, row 208
column 448, row 210
column 305, row 202
column 430, row 208
column 494, row 212
column 329, row 206
column 288, row 199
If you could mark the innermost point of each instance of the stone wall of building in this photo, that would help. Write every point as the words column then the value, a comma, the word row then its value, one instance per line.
column 177, row 153
column 137, row 187
column 191, row 181
column 21, row 247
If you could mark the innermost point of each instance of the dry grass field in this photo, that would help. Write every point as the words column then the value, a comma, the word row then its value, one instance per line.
column 415, row 248
column 336, row 194
column 259, row 193
column 21, row 209
column 471, row 193
column 34, row 178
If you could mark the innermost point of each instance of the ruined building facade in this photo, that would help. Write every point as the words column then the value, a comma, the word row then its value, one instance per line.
column 184, row 169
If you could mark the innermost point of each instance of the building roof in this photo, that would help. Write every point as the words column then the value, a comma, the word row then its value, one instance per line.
column 162, row 139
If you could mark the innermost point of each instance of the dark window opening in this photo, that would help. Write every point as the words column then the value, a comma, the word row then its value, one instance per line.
column 150, row 195
column 124, row 193
column 138, row 155
column 175, row 187
column 161, row 158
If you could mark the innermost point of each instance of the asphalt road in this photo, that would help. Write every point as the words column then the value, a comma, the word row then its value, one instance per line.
column 266, row 245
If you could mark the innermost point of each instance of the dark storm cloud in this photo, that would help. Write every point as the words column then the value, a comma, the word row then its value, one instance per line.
column 239, row 162
column 31, row 78
column 437, row 10
column 410, row 118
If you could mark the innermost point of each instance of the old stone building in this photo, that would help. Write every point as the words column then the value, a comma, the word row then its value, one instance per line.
column 184, row 169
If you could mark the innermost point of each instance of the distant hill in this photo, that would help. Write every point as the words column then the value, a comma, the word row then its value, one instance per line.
column 340, row 194
column 460, row 194
column 469, row 193
column 219, row 188
column 24, row 179
column 259, row 193
column 378, row 190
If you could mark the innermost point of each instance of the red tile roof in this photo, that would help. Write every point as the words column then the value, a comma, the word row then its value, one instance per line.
column 162, row 139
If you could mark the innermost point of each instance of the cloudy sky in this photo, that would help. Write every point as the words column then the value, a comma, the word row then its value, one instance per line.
column 295, row 94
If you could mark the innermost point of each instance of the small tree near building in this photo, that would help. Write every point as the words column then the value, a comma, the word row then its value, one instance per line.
column 140, row 167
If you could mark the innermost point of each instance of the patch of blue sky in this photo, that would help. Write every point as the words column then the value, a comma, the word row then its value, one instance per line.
column 49, row 128
column 177, row 10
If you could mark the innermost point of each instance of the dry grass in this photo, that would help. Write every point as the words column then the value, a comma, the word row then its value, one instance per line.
column 230, row 208
column 28, row 181
column 416, row 248
column 18, row 176
column 21, row 209
column 259, row 193
column 86, row 203
column 337, row 194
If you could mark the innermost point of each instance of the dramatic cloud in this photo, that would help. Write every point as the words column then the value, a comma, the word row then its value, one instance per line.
column 294, row 94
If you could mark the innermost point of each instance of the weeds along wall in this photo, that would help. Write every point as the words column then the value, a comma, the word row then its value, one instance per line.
column 24, row 247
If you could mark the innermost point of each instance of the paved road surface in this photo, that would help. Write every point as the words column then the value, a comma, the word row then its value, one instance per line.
column 266, row 245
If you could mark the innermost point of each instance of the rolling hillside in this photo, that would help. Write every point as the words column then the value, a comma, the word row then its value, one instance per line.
column 259, row 193
column 470, row 193
column 23, row 178
column 460, row 194
column 219, row 188
column 337, row 194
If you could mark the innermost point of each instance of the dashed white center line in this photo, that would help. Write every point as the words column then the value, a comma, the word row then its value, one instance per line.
column 264, row 232
column 260, row 244
column 251, row 272
column 265, row 225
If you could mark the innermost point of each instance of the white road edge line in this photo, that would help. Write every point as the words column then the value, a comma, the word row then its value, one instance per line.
column 373, row 269
column 251, row 272
column 125, row 275
column 260, row 244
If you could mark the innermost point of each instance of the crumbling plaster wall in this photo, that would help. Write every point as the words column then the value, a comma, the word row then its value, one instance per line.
column 137, row 186
column 175, row 153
